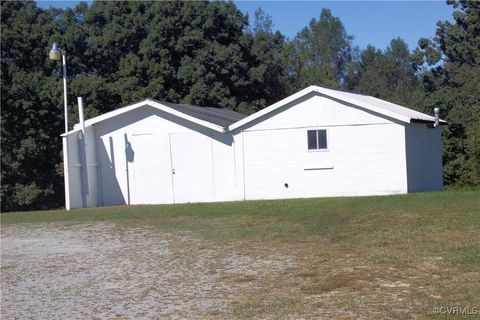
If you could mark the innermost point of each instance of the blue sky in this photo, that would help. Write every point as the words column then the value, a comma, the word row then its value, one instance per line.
column 370, row 22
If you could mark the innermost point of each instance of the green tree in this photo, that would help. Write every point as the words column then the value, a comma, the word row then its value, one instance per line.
column 176, row 51
column 267, row 76
column 389, row 75
column 455, row 86
column 30, row 115
column 321, row 53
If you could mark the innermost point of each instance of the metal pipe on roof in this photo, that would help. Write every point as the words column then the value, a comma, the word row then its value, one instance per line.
column 80, row 113
column 436, row 113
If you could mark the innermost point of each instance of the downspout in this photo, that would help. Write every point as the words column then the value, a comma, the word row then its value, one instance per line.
column 83, row 154
column 243, row 163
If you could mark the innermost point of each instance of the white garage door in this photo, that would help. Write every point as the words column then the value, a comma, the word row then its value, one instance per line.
column 192, row 167
column 152, row 171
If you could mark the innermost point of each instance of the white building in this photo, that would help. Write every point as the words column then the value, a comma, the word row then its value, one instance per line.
column 317, row 142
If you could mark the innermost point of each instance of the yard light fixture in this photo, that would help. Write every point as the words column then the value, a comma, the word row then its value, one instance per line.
column 55, row 53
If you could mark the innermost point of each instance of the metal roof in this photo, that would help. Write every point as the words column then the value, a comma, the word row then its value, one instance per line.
column 223, row 120
column 220, row 116
column 369, row 102
column 217, row 119
column 365, row 102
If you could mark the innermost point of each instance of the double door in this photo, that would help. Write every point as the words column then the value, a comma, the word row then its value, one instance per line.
column 171, row 168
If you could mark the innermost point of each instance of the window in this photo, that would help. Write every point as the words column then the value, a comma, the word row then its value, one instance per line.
column 317, row 139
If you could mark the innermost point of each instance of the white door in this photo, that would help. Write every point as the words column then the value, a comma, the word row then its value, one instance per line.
column 192, row 167
column 152, row 171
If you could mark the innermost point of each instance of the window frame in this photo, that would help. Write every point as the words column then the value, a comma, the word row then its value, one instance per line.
column 327, row 139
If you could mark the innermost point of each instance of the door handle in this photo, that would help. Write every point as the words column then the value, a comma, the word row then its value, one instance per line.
column 173, row 171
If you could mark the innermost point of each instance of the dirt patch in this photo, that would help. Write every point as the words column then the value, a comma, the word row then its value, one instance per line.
column 142, row 270
column 108, row 270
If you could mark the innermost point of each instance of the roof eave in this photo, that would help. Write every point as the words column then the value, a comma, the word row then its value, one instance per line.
column 322, row 92
column 157, row 105
column 360, row 104
column 414, row 120
column 74, row 130
column 271, row 108
column 186, row 116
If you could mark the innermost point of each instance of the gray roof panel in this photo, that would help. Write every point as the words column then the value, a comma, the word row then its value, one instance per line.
column 220, row 116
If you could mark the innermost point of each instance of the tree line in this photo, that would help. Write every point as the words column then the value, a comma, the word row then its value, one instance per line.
column 207, row 53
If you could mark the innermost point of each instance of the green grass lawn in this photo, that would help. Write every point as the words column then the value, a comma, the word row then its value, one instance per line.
column 358, row 247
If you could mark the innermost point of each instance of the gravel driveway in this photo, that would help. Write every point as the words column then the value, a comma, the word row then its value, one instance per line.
column 111, row 270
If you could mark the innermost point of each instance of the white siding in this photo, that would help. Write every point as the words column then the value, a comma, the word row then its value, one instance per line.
column 75, row 199
column 225, row 168
column 82, row 169
column 424, row 158
column 361, row 160
column 366, row 152
column 91, row 165
column 315, row 110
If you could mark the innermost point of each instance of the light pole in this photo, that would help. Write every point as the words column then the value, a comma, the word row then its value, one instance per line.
column 55, row 54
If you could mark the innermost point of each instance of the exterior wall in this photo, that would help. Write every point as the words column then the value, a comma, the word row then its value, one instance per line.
column 73, row 177
column 90, row 182
column 424, row 158
column 82, row 169
column 225, row 168
column 366, row 153
column 147, row 152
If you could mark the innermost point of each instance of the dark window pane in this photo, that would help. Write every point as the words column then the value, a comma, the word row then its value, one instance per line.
column 312, row 139
column 322, row 139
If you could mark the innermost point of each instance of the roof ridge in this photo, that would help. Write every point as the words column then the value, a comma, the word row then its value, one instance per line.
column 341, row 90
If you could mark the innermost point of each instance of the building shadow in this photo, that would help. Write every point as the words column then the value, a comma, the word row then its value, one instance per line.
column 111, row 191
column 129, row 157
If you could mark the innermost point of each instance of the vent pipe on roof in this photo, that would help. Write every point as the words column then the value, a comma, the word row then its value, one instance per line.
column 80, row 113
column 436, row 114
